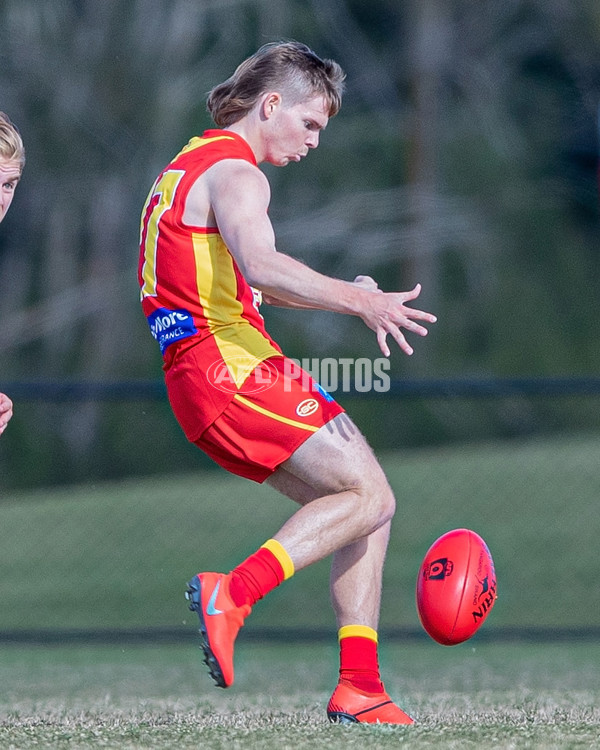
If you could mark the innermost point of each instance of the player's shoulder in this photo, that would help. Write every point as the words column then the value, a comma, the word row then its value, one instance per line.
column 238, row 175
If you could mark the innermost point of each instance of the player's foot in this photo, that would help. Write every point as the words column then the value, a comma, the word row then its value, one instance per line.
column 220, row 621
column 349, row 706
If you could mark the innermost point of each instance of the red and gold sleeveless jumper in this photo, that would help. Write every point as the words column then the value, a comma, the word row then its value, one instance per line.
column 229, row 385
column 192, row 291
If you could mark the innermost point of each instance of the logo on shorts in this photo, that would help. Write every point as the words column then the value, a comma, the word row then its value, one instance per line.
column 242, row 374
column 307, row 407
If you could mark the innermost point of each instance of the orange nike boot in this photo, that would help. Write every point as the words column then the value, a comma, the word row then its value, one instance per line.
column 220, row 622
column 351, row 706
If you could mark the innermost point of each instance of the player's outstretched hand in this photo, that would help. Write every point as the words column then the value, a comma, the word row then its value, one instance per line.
column 6, row 410
column 366, row 282
column 388, row 313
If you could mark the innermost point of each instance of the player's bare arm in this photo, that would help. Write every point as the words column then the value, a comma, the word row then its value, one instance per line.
column 364, row 281
column 239, row 196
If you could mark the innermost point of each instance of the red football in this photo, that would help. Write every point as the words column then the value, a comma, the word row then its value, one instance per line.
column 456, row 587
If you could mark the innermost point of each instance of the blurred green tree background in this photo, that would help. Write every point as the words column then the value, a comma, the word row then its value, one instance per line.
column 464, row 157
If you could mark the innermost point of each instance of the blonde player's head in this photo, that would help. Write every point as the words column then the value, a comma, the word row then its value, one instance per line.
column 12, row 161
column 11, row 143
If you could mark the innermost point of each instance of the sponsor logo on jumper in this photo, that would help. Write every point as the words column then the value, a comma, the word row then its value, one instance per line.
column 168, row 326
column 242, row 374
column 438, row 570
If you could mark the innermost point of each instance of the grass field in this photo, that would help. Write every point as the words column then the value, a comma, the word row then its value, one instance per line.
column 501, row 696
column 116, row 556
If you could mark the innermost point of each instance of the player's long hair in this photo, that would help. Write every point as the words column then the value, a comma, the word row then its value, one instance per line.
column 11, row 143
column 290, row 68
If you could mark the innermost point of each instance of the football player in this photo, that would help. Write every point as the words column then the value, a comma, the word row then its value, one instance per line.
column 207, row 257
column 12, row 161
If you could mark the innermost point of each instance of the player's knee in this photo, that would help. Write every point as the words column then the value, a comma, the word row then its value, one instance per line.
column 378, row 505
column 386, row 504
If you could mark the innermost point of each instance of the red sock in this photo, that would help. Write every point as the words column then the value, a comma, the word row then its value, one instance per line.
column 255, row 577
column 359, row 664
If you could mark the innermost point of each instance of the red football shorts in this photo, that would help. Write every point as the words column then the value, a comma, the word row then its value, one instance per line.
column 278, row 407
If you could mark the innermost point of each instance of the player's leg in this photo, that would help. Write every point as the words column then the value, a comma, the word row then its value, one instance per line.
column 348, row 497
column 356, row 562
column 356, row 583
column 327, row 467
column 360, row 695
column 356, row 577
